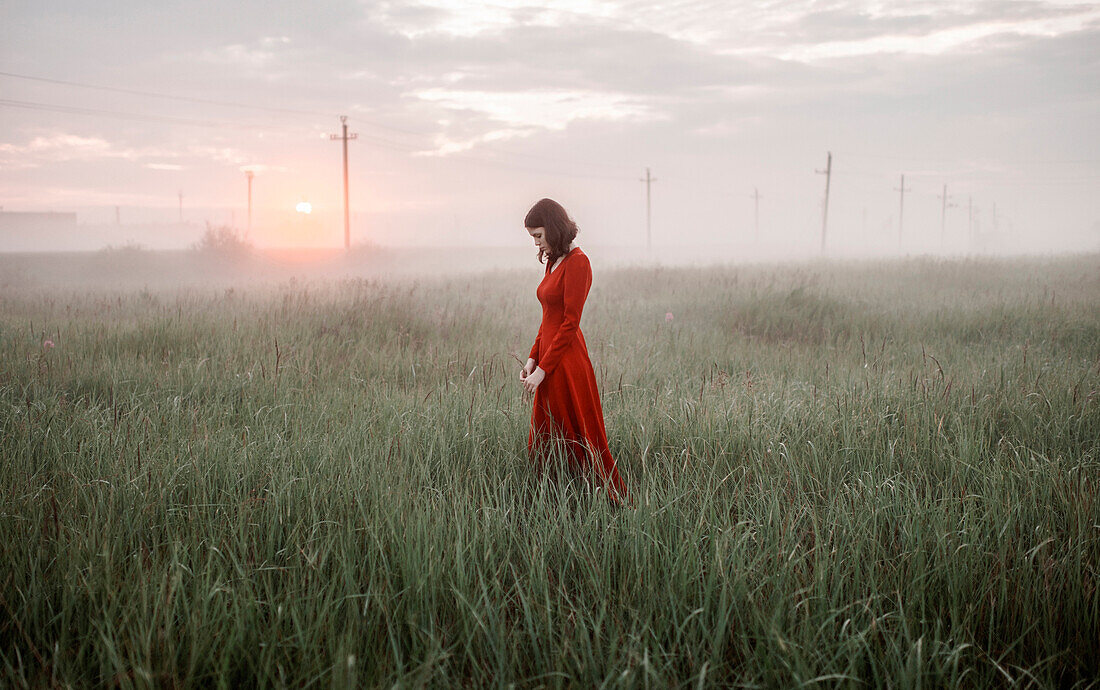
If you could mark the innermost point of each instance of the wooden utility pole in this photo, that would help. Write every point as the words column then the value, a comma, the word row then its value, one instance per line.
column 347, row 214
column 249, row 174
column 828, row 173
column 943, row 215
column 755, row 211
column 648, row 179
column 901, row 206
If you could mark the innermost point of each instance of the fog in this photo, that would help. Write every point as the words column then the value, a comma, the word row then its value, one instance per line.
column 141, row 132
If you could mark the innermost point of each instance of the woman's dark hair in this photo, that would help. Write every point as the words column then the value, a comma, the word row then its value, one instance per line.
column 560, row 228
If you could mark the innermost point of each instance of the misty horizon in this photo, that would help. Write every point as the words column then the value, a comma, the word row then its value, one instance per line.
column 468, row 113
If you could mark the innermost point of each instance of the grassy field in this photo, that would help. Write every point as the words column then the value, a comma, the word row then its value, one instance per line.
column 847, row 475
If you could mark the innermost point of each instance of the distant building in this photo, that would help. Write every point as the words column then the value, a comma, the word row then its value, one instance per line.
column 37, row 232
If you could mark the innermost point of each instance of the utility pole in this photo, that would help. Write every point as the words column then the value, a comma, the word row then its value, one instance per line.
column 828, row 173
column 347, row 215
column 648, row 218
column 943, row 215
column 755, row 212
column 181, row 205
column 901, row 206
column 249, row 174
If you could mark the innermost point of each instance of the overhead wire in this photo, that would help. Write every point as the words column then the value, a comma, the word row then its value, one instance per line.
column 942, row 159
column 78, row 110
column 387, row 143
column 420, row 147
column 221, row 124
column 966, row 176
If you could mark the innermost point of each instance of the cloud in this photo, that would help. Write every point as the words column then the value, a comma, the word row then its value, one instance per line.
column 256, row 55
column 227, row 155
column 695, row 88
column 59, row 147
column 446, row 146
column 461, row 18
column 259, row 168
column 61, row 144
column 79, row 195
column 547, row 109
column 953, row 33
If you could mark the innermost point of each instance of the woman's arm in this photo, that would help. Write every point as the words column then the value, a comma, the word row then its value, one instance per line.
column 576, row 282
column 535, row 348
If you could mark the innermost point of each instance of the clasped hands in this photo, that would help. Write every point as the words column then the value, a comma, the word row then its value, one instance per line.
column 531, row 376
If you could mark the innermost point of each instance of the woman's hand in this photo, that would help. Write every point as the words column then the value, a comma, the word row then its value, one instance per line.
column 532, row 381
column 527, row 369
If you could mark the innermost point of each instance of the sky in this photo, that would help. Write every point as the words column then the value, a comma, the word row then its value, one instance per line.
column 468, row 112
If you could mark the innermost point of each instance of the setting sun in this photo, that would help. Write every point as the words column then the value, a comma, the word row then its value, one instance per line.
column 304, row 207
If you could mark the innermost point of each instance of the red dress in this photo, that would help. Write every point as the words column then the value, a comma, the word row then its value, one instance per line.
column 567, row 402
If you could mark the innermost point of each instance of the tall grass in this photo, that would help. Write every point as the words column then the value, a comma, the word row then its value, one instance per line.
column 846, row 475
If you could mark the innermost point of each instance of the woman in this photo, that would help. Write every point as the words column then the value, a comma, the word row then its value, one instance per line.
column 567, row 403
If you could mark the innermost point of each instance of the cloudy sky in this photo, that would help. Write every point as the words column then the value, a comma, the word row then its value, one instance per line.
column 468, row 112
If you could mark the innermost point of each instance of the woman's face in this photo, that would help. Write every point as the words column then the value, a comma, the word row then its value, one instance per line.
column 539, row 236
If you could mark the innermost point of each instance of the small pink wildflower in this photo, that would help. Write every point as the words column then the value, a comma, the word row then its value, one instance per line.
column 47, row 344
column 668, row 317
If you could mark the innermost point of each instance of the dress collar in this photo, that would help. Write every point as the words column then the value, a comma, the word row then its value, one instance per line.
column 551, row 269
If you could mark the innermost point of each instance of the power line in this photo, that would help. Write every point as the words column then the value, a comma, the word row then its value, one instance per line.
column 220, row 124
column 862, row 173
column 194, row 99
column 156, row 94
column 1081, row 161
column 1001, row 177
column 122, row 115
column 234, row 104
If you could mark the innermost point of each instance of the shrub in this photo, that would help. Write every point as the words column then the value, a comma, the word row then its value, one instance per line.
column 222, row 240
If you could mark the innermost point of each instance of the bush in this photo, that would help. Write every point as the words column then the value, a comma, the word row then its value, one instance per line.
column 130, row 248
column 222, row 240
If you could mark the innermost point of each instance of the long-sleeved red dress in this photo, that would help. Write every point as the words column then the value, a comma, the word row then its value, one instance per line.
column 567, row 402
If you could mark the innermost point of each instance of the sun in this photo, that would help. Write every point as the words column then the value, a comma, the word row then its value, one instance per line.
column 304, row 207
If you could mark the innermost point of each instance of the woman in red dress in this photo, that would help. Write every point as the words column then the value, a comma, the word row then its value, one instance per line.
column 567, row 403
